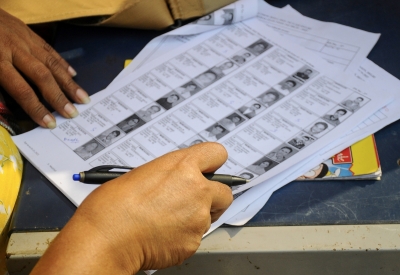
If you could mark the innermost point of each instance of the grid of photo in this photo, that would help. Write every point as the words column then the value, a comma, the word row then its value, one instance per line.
column 251, row 111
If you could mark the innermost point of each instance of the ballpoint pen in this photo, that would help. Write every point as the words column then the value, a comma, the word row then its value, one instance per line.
column 101, row 174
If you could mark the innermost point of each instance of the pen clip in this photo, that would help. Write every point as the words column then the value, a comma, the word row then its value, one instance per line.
column 107, row 168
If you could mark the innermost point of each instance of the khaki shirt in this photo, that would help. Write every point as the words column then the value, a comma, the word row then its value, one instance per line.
column 144, row 14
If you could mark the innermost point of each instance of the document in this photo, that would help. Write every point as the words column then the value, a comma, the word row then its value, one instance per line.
column 231, row 14
column 342, row 46
column 244, row 87
column 369, row 73
column 339, row 45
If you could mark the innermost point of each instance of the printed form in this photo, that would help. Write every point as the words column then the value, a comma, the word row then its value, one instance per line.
column 367, row 72
column 235, row 12
column 339, row 45
column 244, row 87
column 342, row 46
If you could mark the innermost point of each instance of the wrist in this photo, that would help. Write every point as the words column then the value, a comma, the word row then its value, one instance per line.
column 81, row 248
column 123, row 255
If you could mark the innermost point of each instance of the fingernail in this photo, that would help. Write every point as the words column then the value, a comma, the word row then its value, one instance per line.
column 83, row 96
column 71, row 110
column 71, row 71
column 49, row 121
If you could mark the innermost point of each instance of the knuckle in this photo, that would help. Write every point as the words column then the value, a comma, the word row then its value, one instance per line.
column 29, row 101
column 52, row 62
column 186, row 161
column 204, row 215
column 57, row 99
column 204, row 188
column 68, row 85
column 191, row 177
column 42, row 73
column 227, row 191
column 47, row 47
column 36, row 109
column 23, row 93
column 199, row 183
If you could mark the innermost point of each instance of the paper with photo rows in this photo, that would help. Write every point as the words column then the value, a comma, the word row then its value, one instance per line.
column 244, row 87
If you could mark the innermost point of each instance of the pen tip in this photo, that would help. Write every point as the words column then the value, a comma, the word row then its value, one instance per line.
column 76, row 177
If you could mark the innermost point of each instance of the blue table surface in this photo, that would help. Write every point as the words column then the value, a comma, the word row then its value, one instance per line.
column 41, row 207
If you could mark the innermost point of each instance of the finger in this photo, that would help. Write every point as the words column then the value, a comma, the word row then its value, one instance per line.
column 20, row 90
column 41, row 49
column 65, row 81
column 61, row 71
column 44, row 80
column 208, row 156
column 221, row 199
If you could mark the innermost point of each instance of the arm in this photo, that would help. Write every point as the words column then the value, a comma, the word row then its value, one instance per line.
column 23, row 53
column 150, row 218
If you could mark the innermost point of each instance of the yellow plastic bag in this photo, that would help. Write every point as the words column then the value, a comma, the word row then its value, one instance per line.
column 10, row 176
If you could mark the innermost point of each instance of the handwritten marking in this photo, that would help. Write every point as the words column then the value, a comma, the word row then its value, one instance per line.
column 71, row 140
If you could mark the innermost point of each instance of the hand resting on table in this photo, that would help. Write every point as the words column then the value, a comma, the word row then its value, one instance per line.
column 23, row 53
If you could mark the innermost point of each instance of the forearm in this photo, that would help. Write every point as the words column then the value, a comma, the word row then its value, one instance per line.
column 81, row 249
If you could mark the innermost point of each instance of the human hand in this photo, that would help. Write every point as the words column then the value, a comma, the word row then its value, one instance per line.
column 150, row 218
column 24, row 52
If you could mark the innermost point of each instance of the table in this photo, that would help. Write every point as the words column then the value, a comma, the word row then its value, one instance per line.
column 328, row 227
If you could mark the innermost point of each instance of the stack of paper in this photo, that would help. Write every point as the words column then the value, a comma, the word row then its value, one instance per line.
column 255, row 81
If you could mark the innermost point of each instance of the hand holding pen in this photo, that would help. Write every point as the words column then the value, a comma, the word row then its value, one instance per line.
column 104, row 173
column 152, row 217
